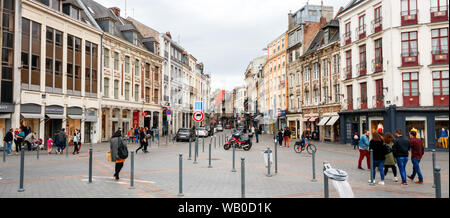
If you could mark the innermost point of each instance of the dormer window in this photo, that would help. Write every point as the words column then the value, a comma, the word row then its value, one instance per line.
column 71, row 11
column 326, row 36
column 75, row 13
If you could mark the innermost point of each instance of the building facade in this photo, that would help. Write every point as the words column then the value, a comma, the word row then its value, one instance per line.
column 391, row 79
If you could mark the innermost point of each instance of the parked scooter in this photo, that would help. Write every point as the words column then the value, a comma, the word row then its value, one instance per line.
column 238, row 141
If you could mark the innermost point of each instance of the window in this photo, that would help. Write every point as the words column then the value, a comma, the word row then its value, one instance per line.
column 348, row 61
column 440, row 41
column 106, row 88
column 31, row 52
column 377, row 23
column 136, row 92
column 347, row 35
column 316, row 96
column 409, row 7
column 106, row 57
column 379, row 93
column 6, row 72
column 306, row 74
column 298, row 78
column 378, row 55
column 56, row 5
column 409, row 48
column 91, row 69
column 349, row 97
column 127, row 64
column 362, row 60
column 325, row 67
column 336, row 60
column 74, row 13
column 363, row 95
column 116, row 89
column 316, row 70
column 362, row 27
column 147, row 71
column 411, row 89
column 326, row 36
column 116, row 61
column 337, row 93
column 127, row 91
column 441, row 87
column 307, row 97
column 326, row 94
column 136, row 68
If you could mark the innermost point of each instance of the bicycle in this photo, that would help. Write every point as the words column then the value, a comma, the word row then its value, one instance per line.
column 310, row 148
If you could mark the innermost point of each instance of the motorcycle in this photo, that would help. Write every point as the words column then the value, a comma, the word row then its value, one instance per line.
column 238, row 141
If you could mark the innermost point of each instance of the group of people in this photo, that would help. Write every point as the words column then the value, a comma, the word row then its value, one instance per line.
column 389, row 151
column 284, row 135
column 22, row 136
column 60, row 142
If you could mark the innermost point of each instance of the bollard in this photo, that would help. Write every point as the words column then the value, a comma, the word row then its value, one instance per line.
column 314, row 167
column 4, row 152
column 180, row 184
column 196, row 151
column 437, row 172
column 325, row 182
column 210, row 155
column 90, row 165
column 22, row 165
column 234, row 150
column 268, row 162
column 190, row 145
column 215, row 145
column 203, row 144
column 67, row 150
column 242, row 177
column 132, row 171
column 276, row 157
column 158, row 141
column 167, row 137
column 434, row 167
column 372, row 167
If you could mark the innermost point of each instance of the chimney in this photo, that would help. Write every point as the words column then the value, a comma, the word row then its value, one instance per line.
column 323, row 21
column 116, row 11
column 169, row 35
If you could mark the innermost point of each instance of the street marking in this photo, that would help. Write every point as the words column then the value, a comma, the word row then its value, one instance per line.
column 106, row 179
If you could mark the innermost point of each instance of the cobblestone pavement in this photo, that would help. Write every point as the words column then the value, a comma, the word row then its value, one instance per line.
column 156, row 174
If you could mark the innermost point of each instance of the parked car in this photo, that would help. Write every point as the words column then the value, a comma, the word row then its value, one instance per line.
column 228, row 126
column 185, row 134
column 202, row 132
column 219, row 128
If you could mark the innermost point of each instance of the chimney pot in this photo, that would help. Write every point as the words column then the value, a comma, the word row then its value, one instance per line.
column 116, row 11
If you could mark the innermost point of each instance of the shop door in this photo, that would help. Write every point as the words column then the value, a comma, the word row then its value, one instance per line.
column 87, row 132
column 52, row 127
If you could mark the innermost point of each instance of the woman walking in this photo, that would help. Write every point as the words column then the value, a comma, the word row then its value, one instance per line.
column 379, row 155
column 115, row 144
column 76, row 141
column 390, row 160
column 142, row 141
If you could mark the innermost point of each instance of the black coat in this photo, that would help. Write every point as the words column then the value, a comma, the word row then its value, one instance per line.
column 401, row 147
column 379, row 150
column 8, row 137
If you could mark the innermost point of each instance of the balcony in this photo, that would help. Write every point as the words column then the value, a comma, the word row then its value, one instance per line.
column 440, row 56
column 377, row 65
column 439, row 14
column 410, row 59
column 347, row 38
column 361, row 32
column 348, row 72
column 409, row 17
column 380, row 102
column 377, row 25
column 362, row 68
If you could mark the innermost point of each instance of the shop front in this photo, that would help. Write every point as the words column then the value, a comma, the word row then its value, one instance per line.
column 126, row 121
column 54, row 117
column 147, row 119
column 155, row 119
column 90, row 126
column 332, row 129
column 115, row 120
column 74, row 117
column 135, row 119
column 30, row 115
column 6, row 111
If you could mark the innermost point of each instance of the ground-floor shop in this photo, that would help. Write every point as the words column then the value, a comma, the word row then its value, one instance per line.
column 428, row 121
column 329, row 130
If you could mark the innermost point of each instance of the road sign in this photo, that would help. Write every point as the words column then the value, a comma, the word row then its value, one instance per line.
column 198, row 116
column 169, row 112
column 198, row 106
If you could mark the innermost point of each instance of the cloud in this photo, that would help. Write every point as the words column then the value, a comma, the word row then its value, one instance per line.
column 223, row 34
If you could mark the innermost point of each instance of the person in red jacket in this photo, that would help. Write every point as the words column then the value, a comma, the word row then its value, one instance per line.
column 417, row 152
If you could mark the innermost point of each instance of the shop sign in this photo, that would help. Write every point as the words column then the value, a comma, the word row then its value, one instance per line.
column 54, row 110
column 6, row 108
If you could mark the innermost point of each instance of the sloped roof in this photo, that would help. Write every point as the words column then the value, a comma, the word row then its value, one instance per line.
column 351, row 4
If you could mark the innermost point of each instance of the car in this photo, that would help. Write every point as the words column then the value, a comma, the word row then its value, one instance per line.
column 202, row 132
column 228, row 126
column 219, row 128
column 184, row 134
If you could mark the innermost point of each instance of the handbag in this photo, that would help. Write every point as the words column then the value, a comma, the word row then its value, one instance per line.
column 108, row 156
column 387, row 149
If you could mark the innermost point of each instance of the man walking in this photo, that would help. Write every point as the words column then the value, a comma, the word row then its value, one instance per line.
column 417, row 152
column 256, row 134
column 62, row 141
column 364, row 149
column 8, row 139
column 400, row 150
column 287, row 135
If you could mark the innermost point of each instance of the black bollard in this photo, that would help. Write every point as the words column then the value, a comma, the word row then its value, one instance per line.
column 434, row 167
column 215, row 143
column 325, row 182
column 209, row 166
column 243, row 177
column 4, row 152
column 196, row 151
column 268, row 162
column 180, row 184
column 276, row 157
column 372, row 168
column 234, row 150
column 22, row 165
column 437, row 172
column 314, row 166
column 190, row 148
column 132, row 171
column 90, row 165
column 203, row 144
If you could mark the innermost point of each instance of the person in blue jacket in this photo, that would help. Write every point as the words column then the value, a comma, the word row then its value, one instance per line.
column 364, row 149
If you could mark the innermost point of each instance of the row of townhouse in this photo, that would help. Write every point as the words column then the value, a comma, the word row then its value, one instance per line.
column 366, row 69
column 76, row 64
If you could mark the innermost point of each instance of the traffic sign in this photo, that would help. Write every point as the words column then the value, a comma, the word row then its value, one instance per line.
column 198, row 116
column 198, row 106
column 169, row 112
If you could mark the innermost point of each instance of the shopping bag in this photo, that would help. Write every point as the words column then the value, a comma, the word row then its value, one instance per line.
column 108, row 156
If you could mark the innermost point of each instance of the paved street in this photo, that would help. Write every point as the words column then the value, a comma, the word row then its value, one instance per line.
column 156, row 174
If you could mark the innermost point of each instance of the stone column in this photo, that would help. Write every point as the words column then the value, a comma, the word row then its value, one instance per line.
column 120, row 118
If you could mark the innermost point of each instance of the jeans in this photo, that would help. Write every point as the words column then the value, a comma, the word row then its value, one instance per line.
column 257, row 137
column 401, row 163
column 380, row 165
column 8, row 147
column 136, row 138
column 416, row 169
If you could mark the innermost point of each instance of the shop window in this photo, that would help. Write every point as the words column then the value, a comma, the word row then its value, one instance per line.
column 441, row 125
column 421, row 129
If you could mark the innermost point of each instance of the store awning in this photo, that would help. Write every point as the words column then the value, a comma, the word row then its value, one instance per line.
column 333, row 120
column 75, row 117
column 55, row 116
column 92, row 119
column 31, row 116
column 313, row 119
column 5, row 116
column 306, row 119
column 323, row 121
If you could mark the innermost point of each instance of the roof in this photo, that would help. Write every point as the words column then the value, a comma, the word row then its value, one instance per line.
column 318, row 41
column 146, row 31
column 351, row 4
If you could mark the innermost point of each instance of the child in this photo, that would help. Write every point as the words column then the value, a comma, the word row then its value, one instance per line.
column 49, row 145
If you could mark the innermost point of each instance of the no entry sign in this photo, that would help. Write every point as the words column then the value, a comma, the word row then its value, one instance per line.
column 198, row 116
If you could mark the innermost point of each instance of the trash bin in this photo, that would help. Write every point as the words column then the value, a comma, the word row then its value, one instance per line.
column 339, row 181
column 265, row 157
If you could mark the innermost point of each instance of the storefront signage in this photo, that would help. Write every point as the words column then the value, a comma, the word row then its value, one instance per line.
column 7, row 108
column 54, row 110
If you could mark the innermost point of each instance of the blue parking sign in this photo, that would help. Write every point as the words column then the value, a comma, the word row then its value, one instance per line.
column 198, row 106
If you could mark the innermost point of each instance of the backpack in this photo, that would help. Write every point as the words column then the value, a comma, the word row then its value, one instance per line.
column 122, row 151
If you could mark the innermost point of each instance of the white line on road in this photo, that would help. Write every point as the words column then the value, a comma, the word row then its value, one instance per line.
column 108, row 179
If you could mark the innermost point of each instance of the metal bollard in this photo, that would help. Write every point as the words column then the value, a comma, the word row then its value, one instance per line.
column 180, row 184
column 132, row 171
column 372, row 168
column 314, row 167
column 4, row 152
column 242, row 177
column 196, row 151
column 37, row 153
column 437, row 172
column 90, row 165
column 190, row 148
column 325, row 182
column 167, row 138
column 215, row 145
column 268, row 162
column 276, row 157
column 67, row 150
column 203, row 144
column 210, row 155
column 158, row 141
column 234, row 150
column 434, row 167
column 22, row 165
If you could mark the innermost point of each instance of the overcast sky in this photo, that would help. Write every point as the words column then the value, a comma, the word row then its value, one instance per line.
column 223, row 34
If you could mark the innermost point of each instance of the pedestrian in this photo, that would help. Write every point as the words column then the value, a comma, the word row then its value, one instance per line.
column 417, row 152
column 364, row 150
column 303, row 137
column 136, row 135
column 8, row 139
column 355, row 141
column 76, row 142
column 251, row 133
column 16, row 142
column 379, row 156
column 400, row 149
column 79, row 141
column 156, row 132
column 130, row 135
column 49, row 145
column 390, row 160
column 287, row 135
column 444, row 137
column 280, row 138
column 116, row 144
column 256, row 134
column 62, row 141
column 142, row 140
column 20, row 140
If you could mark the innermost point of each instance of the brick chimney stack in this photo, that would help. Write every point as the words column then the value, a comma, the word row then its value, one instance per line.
column 116, row 11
